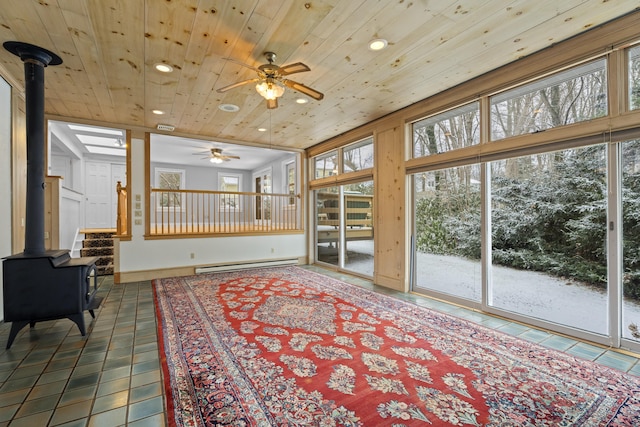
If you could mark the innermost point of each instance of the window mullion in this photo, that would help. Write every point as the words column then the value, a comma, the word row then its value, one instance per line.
column 617, row 82
column 614, row 243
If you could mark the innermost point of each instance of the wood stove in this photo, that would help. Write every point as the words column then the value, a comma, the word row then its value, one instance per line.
column 41, row 285
column 48, row 286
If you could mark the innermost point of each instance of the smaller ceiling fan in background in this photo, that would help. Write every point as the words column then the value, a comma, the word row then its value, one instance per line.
column 271, row 81
column 215, row 155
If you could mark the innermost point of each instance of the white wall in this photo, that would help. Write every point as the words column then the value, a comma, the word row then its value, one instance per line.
column 70, row 217
column 5, row 178
column 144, row 255
column 139, row 254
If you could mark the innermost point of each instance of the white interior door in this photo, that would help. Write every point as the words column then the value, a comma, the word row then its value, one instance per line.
column 98, row 199
column 118, row 173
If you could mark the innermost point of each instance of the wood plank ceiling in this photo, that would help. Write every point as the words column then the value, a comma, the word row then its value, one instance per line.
column 109, row 49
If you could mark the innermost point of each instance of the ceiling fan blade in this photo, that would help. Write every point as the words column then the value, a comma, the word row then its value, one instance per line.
column 235, row 85
column 201, row 152
column 272, row 103
column 303, row 89
column 232, row 157
column 235, row 61
column 297, row 67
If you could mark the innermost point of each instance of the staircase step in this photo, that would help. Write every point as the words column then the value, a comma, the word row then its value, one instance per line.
column 103, row 270
column 104, row 261
column 97, row 243
column 93, row 251
column 98, row 236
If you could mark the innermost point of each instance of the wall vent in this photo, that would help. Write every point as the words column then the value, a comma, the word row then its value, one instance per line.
column 166, row 127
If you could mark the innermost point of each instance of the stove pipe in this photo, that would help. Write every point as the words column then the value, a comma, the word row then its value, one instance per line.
column 35, row 59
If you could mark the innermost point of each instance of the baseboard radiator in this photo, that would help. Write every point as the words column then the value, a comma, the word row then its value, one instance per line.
column 244, row 266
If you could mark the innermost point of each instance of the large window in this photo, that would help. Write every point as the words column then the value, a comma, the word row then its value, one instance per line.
column 447, row 231
column 358, row 156
column 571, row 96
column 170, row 179
column 326, row 165
column 548, row 234
column 230, row 183
column 448, row 131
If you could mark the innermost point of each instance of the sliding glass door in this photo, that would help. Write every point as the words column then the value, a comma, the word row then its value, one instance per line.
column 328, row 225
column 560, row 232
column 344, row 227
column 631, row 240
column 548, row 237
column 447, row 232
column 357, row 200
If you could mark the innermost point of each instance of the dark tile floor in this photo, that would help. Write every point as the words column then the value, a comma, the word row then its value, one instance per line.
column 52, row 376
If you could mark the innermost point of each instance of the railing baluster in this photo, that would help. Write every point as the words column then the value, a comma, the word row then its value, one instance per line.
column 191, row 212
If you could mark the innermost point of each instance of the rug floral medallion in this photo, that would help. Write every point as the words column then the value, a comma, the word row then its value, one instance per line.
column 290, row 347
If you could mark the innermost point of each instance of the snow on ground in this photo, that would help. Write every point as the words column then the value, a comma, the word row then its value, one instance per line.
column 529, row 293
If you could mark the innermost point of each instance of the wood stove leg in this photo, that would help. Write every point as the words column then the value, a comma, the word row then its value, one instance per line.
column 92, row 314
column 15, row 328
column 78, row 319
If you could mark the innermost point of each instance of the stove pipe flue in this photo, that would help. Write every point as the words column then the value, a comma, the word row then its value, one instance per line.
column 35, row 59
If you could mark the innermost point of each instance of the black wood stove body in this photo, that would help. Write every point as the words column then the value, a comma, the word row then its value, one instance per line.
column 41, row 284
column 48, row 286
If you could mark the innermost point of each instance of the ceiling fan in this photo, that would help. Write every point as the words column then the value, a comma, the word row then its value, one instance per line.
column 271, row 81
column 215, row 155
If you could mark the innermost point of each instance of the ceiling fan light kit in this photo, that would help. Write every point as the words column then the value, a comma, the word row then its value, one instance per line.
column 214, row 155
column 270, row 83
column 270, row 89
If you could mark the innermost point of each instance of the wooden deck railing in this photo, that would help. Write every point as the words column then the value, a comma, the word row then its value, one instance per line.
column 121, row 221
column 188, row 212
column 358, row 209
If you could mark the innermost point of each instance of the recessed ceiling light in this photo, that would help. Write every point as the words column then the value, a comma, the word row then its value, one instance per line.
column 302, row 100
column 229, row 108
column 377, row 44
column 158, row 112
column 164, row 68
column 262, row 129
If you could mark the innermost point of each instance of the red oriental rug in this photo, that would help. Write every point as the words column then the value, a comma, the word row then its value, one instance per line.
column 290, row 347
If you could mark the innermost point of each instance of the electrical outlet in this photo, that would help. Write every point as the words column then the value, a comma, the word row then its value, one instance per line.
column 193, row 255
column 273, row 250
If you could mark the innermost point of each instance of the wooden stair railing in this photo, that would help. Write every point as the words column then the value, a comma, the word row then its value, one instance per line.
column 121, row 221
